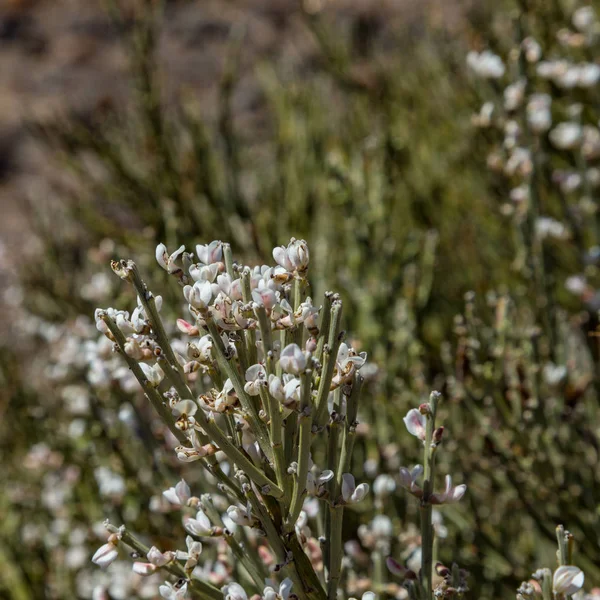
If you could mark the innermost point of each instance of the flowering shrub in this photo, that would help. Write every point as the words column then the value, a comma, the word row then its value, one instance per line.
column 265, row 398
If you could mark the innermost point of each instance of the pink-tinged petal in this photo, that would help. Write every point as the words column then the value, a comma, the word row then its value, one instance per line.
column 415, row 423
column 105, row 555
column 183, row 491
column 158, row 558
column 144, row 569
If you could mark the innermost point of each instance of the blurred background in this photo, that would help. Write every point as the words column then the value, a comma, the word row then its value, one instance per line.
column 465, row 264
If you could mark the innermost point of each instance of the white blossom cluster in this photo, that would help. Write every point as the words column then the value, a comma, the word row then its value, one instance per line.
column 263, row 396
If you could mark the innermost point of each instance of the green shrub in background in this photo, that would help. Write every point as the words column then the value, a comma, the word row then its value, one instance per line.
column 392, row 190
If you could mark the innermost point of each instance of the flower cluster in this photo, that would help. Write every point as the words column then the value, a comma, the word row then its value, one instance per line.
column 263, row 384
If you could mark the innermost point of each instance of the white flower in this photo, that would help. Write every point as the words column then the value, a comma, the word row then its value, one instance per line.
column 283, row 592
column 533, row 51
column 184, row 408
column 589, row 75
column 316, row 480
column 416, row 423
column 158, row 558
column 144, row 569
column 298, row 254
column 584, row 18
column 486, row 64
column 291, row 391
column 547, row 227
column 276, row 388
column 168, row 262
column 351, row 493
column 408, row 480
column 172, row 592
column 265, row 297
column 567, row 580
column 153, row 373
column 484, row 117
column 226, row 397
column 105, row 555
column 576, row 284
column 256, row 377
column 514, row 94
column 383, row 486
column 554, row 374
column 194, row 549
column 110, row 484
column 281, row 257
column 234, row 591
column 240, row 516
column 178, row 495
column 566, row 136
column 292, row 359
column 539, row 115
column 381, row 527
column 450, row 495
column 199, row 526
column 187, row 454
column 198, row 295
column 210, row 253
column 519, row 162
column 204, row 273
column 347, row 363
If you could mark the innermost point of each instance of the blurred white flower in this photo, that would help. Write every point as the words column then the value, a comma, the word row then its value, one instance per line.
column 234, row 591
column 567, row 580
column 532, row 49
column 486, row 64
column 514, row 95
column 173, row 592
column 547, row 227
column 178, row 495
column 384, row 486
column 584, row 19
column 539, row 115
column 282, row 593
column 566, row 136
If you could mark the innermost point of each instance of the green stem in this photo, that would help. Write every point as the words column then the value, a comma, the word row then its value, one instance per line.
column 148, row 302
column 330, row 352
column 258, row 427
column 426, row 508
column 304, row 427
